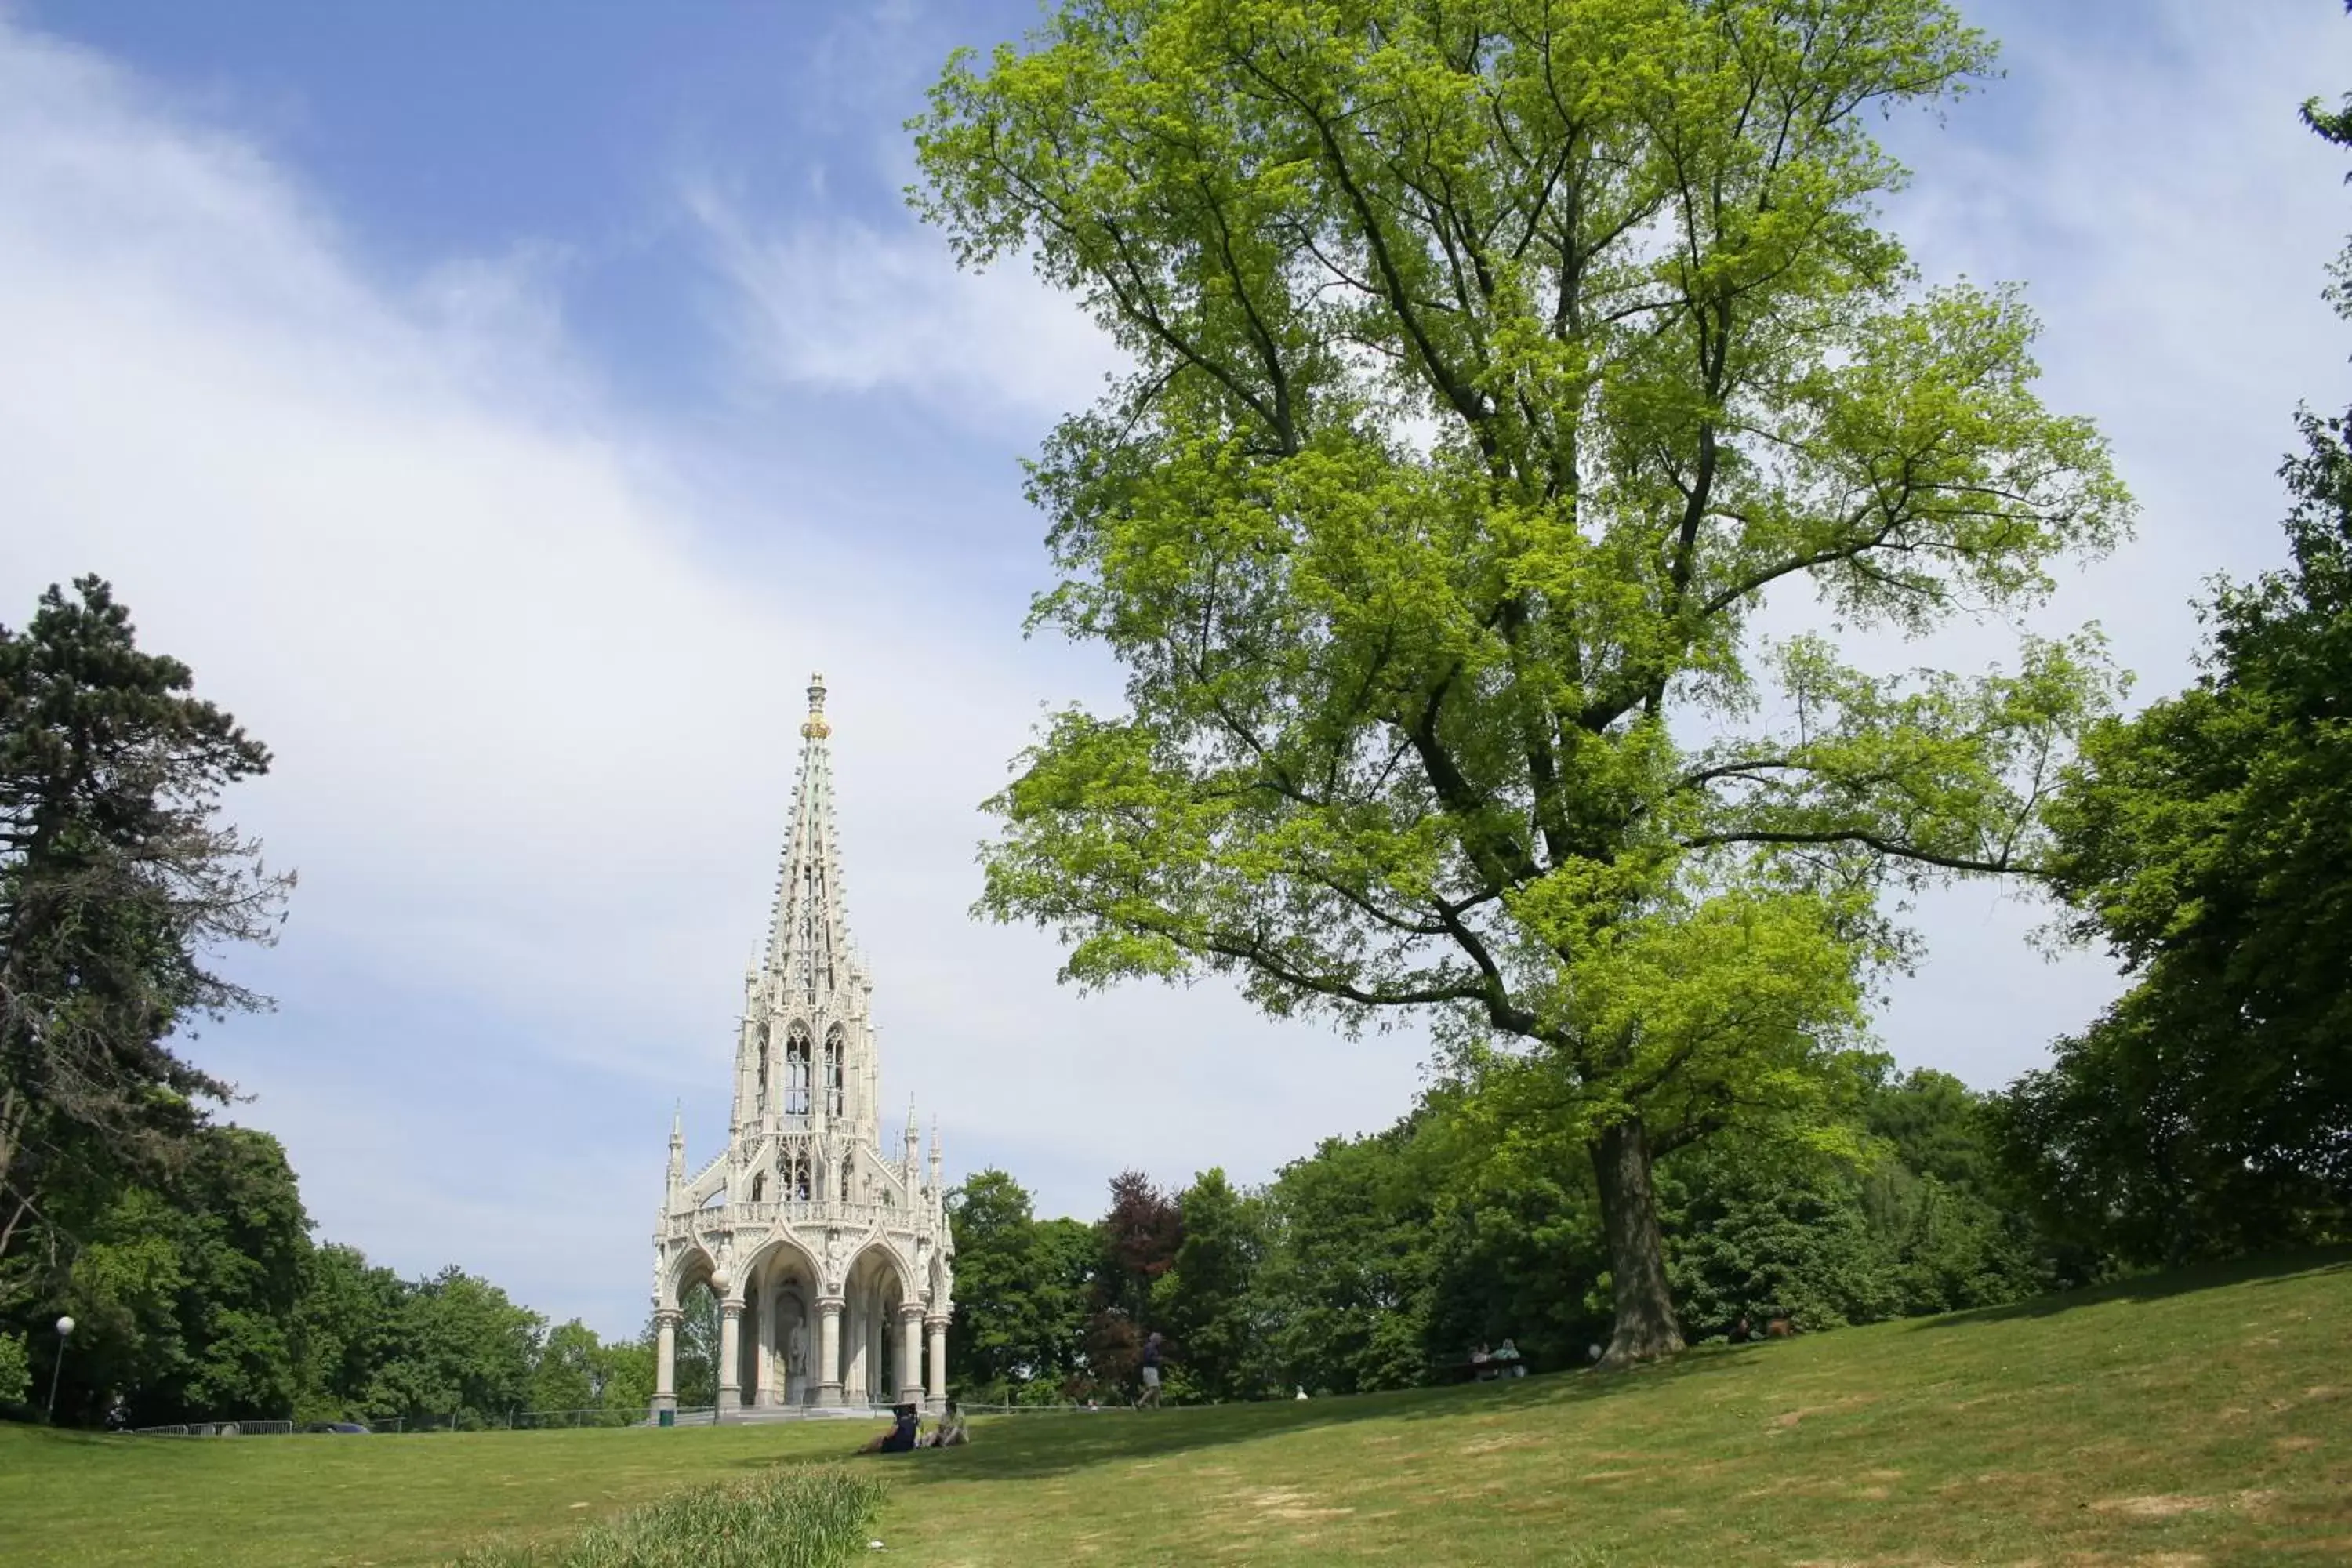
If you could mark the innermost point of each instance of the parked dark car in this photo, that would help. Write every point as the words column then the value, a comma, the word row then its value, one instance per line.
column 334, row 1427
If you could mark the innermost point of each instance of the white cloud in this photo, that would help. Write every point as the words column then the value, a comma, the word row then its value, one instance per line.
column 844, row 304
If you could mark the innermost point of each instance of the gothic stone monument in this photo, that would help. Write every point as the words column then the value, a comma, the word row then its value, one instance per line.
column 830, row 1262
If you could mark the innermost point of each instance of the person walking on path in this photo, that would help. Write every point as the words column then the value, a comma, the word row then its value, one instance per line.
column 1150, row 1395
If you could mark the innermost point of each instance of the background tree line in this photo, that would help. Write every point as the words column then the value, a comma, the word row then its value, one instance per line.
column 1378, row 1262
column 200, row 1295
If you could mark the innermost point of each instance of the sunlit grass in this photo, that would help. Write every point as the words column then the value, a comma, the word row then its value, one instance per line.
column 798, row 1518
column 2199, row 1419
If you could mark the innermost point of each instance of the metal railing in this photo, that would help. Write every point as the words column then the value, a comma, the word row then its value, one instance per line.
column 217, row 1429
column 399, row 1426
column 692, row 1223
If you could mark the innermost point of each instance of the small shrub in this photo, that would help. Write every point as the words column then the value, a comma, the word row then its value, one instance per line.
column 16, row 1370
column 800, row 1518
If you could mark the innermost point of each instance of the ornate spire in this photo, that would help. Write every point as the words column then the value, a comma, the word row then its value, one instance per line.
column 815, row 728
column 808, row 936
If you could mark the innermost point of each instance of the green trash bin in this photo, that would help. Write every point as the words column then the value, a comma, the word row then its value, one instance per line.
column 668, row 1418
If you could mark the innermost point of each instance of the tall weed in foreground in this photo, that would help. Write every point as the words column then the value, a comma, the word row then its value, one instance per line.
column 795, row 1518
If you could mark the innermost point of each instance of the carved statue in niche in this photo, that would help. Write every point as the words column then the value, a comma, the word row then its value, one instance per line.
column 796, row 1350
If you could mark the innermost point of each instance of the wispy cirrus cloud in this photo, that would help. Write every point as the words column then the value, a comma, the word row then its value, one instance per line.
column 841, row 304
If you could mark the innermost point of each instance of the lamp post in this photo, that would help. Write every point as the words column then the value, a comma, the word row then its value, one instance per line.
column 65, row 1333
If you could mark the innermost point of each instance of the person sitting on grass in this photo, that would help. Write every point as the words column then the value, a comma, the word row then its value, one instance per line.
column 950, row 1432
column 900, row 1439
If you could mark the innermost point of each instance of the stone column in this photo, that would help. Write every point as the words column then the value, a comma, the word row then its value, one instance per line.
column 910, row 1354
column 666, row 1322
column 829, row 1351
column 937, row 1325
column 730, row 1357
column 763, row 1347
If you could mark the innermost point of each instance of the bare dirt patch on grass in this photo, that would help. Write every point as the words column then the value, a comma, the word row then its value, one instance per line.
column 1789, row 1419
column 1289, row 1504
column 2154, row 1505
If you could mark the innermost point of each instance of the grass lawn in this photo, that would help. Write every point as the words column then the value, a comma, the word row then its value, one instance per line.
column 2203, row 1418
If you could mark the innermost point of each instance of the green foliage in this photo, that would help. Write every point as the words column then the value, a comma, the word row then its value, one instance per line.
column 347, row 1321
column 188, row 1293
column 1343, row 1285
column 16, row 1371
column 2210, row 1110
column 1771, row 1235
column 459, row 1346
column 1494, row 360
column 1379, row 1262
column 698, row 1349
column 1135, row 1242
column 566, row 1375
column 799, row 1518
column 623, row 1376
column 116, row 879
column 1207, row 1301
column 1021, row 1291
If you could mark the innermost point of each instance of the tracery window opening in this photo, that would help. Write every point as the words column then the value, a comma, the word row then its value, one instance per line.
column 812, row 924
column 792, row 1174
column 834, row 1096
column 796, row 1073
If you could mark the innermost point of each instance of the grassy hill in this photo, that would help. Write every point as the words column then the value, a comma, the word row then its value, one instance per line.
column 2192, row 1419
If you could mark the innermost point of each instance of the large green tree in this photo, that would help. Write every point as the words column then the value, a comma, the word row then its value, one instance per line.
column 1207, row 1301
column 346, row 1324
column 459, row 1349
column 1494, row 360
column 188, row 1293
column 1344, row 1284
column 116, row 878
column 1021, row 1289
column 2210, row 1110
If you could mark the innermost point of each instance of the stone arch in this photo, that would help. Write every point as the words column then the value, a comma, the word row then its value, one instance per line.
column 692, row 1265
column 939, row 1288
column 876, row 1282
column 785, row 1247
column 781, row 1287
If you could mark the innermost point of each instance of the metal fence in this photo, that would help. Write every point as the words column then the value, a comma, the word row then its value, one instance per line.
column 396, row 1425
column 576, row 1420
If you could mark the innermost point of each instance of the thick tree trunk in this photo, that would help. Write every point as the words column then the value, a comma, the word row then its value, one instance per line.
column 1645, row 1328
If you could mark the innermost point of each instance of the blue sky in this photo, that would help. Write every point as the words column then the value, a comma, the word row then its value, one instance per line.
column 504, row 408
